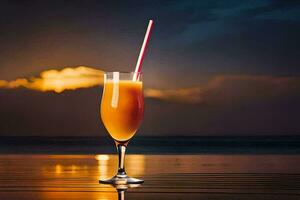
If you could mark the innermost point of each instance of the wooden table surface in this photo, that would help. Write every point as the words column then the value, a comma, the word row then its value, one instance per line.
column 166, row 177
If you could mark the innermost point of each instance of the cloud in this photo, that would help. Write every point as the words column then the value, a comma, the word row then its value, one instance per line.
column 218, row 90
column 59, row 80
column 184, row 95
column 234, row 88
column 225, row 104
column 200, row 21
column 86, row 77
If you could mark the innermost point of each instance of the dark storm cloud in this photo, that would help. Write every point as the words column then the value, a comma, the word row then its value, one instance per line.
column 198, row 39
column 201, row 20
column 257, row 37
column 201, row 37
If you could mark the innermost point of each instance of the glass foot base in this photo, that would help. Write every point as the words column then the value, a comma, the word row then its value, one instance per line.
column 121, row 180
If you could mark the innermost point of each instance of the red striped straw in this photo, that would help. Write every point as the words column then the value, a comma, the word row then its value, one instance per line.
column 142, row 52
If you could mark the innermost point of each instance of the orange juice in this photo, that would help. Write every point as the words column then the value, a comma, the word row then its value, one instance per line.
column 122, row 108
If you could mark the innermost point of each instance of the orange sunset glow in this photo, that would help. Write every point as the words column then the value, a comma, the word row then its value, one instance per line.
column 73, row 78
column 59, row 80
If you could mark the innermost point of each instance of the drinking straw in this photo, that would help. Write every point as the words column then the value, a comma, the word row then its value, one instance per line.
column 139, row 63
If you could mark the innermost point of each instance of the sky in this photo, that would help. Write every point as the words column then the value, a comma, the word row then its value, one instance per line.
column 211, row 68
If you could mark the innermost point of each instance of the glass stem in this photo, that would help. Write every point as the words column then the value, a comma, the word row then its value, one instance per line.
column 121, row 194
column 121, row 151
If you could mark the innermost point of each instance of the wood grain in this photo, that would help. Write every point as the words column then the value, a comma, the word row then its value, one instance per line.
column 166, row 176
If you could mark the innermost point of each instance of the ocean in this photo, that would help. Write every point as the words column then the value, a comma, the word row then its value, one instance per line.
column 153, row 145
